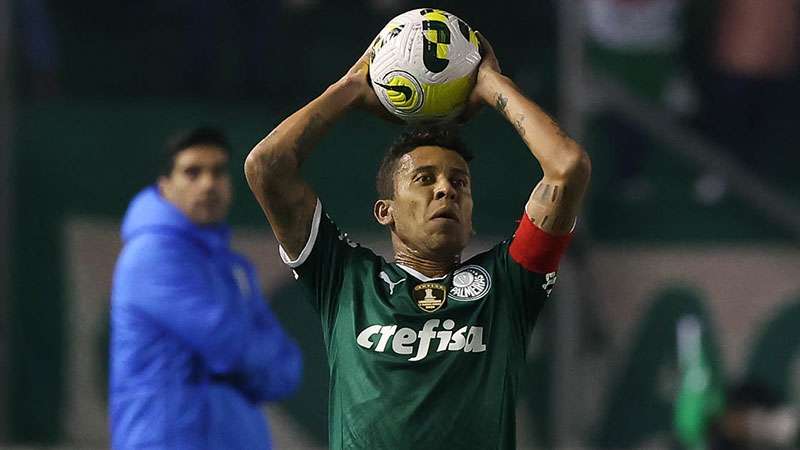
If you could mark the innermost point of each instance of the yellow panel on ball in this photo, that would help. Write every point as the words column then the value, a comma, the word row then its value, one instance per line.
column 443, row 98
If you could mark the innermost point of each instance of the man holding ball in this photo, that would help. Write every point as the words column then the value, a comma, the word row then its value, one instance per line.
column 426, row 351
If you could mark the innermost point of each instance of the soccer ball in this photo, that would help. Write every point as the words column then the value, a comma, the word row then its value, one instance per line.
column 423, row 65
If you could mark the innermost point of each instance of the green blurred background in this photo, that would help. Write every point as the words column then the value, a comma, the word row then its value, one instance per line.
column 97, row 86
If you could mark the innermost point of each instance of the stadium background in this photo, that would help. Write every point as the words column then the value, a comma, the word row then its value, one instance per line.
column 90, row 90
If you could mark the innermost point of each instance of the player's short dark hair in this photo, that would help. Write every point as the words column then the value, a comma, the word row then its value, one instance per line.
column 180, row 141
column 441, row 136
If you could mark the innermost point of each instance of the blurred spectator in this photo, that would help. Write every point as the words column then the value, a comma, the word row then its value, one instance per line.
column 750, row 416
column 754, row 418
column 638, row 42
column 751, row 94
column 195, row 350
column 38, row 45
column 700, row 395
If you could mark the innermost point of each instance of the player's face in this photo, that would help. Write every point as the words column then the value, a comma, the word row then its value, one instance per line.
column 432, row 206
column 199, row 184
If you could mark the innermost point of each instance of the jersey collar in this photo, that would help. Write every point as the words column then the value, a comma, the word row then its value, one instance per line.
column 418, row 275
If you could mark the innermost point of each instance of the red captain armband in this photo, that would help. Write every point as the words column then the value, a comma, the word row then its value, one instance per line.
column 536, row 250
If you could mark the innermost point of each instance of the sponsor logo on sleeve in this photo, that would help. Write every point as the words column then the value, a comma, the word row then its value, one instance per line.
column 549, row 282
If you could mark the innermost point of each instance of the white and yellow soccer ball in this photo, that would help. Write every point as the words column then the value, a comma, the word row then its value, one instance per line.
column 423, row 65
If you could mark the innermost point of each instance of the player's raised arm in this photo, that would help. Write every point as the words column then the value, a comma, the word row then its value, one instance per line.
column 556, row 199
column 273, row 166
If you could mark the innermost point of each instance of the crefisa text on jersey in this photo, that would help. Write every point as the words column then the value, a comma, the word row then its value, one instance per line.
column 404, row 340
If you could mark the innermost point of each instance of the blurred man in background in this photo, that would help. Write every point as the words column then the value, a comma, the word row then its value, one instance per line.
column 194, row 347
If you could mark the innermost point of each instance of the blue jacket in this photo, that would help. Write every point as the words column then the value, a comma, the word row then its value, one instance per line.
column 194, row 347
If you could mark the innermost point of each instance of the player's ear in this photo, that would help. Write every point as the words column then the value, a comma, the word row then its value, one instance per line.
column 383, row 211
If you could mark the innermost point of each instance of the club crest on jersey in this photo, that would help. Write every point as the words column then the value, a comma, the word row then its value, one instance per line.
column 429, row 296
column 470, row 283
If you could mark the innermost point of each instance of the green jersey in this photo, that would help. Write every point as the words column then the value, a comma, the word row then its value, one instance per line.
column 418, row 362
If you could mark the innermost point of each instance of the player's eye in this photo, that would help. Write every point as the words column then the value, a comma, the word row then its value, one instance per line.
column 424, row 179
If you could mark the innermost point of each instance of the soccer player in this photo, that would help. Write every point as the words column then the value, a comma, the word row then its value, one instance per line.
column 425, row 352
column 195, row 350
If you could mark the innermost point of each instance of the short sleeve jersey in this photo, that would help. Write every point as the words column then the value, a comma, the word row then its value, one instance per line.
column 419, row 363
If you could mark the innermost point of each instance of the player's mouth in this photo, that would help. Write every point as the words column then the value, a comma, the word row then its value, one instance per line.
column 445, row 213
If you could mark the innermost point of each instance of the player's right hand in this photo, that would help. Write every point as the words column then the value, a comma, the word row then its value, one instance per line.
column 357, row 79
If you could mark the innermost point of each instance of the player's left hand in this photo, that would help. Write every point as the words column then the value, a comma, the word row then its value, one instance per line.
column 488, row 68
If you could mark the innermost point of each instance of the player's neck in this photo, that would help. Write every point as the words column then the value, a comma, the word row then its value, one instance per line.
column 428, row 267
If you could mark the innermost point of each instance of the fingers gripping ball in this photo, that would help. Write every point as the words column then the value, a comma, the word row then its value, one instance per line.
column 423, row 65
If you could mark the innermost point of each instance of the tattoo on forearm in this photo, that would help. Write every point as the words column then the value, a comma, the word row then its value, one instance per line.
column 547, row 202
column 519, row 127
column 544, row 222
column 558, row 222
column 546, row 191
column 501, row 103
column 549, row 193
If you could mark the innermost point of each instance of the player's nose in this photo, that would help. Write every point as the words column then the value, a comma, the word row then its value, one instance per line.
column 444, row 189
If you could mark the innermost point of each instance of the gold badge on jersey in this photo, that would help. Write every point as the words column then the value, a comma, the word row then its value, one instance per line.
column 430, row 296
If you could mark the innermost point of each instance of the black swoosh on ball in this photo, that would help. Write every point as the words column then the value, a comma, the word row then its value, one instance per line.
column 405, row 90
